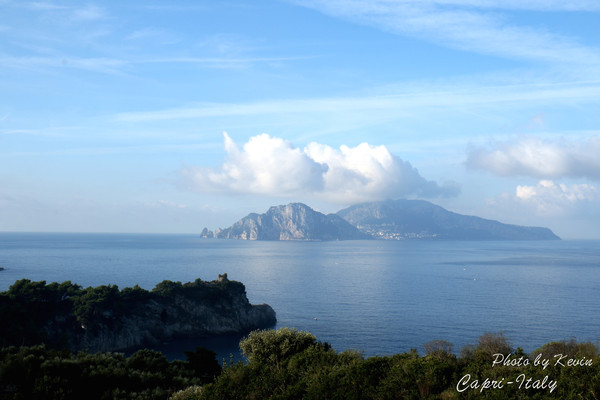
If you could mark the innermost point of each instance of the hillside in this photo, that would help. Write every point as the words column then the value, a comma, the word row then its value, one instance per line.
column 408, row 219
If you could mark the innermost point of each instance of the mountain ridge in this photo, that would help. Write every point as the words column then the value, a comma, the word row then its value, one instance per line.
column 390, row 219
column 420, row 219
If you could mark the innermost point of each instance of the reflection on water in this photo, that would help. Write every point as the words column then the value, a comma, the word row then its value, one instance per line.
column 380, row 297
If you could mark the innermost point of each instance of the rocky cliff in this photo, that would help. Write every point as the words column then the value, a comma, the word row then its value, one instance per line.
column 106, row 319
column 294, row 221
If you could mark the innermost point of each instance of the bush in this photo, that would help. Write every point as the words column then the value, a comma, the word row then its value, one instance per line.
column 191, row 393
column 288, row 364
column 273, row 346
column 38, row 372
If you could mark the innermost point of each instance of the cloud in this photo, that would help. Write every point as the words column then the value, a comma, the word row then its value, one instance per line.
column 45, row 6
column 265, row 165
column 88, row 13
column 534, row 5
column 540, row 159
column 549, row 198
column 452, row 96
column 97, row 64
column 272, row 166
column 85, row 13
column 156, row 36
column 118, row 66
column 468, row 25
column 406, row 101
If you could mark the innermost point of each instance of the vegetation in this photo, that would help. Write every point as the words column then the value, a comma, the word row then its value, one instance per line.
column 288, row 364
column 57, row 314
column 280, row 364
column 38, row 372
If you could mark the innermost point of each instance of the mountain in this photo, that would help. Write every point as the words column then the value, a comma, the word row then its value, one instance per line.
column 407, row 219
column 294, row 221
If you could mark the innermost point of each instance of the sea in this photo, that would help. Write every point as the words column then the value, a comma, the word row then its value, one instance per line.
column 376, row 297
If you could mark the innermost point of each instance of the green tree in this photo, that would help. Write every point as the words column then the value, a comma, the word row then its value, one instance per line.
column 203, row 363
column 273, row 346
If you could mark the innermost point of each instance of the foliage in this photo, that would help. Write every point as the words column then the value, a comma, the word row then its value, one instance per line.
column 203, row 363
column 289, row 364
column 29, row 305
column 190, row 393
column 98, row 304
column 281, row 364
column 58, row 314
column 38, row 372
column 273, row 346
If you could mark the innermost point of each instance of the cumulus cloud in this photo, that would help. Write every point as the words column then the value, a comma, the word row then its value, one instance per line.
column 540, row 159
column 549, row 198
column 272, row 166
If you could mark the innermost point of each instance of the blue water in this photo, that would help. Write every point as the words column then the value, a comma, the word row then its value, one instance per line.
column 380, row 297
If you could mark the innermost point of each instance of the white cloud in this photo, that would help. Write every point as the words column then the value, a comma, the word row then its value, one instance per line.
column 569, row 209
column 408, row 100
column 45, row 6
column 99, row 64
column 157, row 36
column 544, row 5
column 468, row 25
column 265, row 165
column 550, row 198
column 88, row 13
column 83, row 13
column 541, row 159
column 272, row 166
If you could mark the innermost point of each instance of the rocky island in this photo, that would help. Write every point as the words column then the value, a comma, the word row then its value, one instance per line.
column 295, row 221
column 105, row 318
column 388, row 220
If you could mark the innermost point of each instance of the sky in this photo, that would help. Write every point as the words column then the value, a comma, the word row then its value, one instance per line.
column 168, row 117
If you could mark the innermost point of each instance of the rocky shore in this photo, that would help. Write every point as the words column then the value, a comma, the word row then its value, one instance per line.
column 108, row 319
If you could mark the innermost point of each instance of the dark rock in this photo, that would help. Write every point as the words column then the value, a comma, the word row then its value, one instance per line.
column 206, row 234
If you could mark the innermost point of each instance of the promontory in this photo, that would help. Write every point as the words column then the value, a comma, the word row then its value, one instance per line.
column 105, row 318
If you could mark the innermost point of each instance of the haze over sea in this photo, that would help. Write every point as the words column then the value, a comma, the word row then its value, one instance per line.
column 381, row 297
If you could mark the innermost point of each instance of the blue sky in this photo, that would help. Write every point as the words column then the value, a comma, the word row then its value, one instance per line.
column 148, row 116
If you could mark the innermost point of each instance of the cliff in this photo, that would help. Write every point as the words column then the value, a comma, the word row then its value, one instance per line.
column 391, row 219
column 407, row 219
column 294, row 221
column 107, row 319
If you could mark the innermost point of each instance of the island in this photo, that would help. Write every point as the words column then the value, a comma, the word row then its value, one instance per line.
column 104, row 318
column 400, row 219
column 420, row 219
column 295, row 221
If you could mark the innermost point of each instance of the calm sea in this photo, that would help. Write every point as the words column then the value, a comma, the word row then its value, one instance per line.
column 380, row 297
